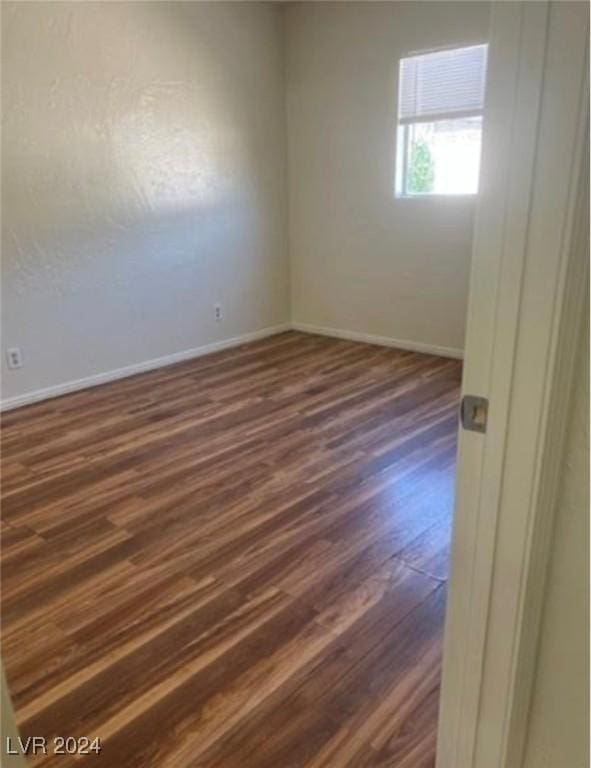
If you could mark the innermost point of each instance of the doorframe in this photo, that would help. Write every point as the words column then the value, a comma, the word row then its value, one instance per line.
column 527, row 297
column 8, row 728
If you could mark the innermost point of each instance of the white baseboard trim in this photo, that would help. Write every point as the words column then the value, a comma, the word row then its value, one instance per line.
column 382, row 341
column 130, row 370
column 76, row 385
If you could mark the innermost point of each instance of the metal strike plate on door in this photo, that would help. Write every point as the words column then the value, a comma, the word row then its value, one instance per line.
column 474, row 413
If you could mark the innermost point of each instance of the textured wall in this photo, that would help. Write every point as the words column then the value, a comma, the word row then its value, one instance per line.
column 559, row 725
column 362, row 260
column 143, row 178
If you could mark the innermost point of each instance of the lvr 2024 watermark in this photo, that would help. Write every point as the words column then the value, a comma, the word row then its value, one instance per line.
column 58, row 745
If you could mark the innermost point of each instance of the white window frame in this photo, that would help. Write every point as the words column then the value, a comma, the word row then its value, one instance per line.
column 402, row 133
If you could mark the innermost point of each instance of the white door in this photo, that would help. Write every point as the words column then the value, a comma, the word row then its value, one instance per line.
column 526, row 294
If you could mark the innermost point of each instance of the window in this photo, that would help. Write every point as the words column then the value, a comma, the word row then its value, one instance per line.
column 440, row 102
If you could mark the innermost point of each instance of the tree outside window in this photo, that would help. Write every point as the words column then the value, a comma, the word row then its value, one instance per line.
column 421, row 168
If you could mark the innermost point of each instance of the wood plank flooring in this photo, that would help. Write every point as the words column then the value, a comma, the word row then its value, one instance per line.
column 234, row 562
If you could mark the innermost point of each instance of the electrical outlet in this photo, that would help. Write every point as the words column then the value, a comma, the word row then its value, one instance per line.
column 14, row 357
column 217, row 312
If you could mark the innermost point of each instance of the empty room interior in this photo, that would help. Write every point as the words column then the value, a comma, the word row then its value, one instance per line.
column 237, row 241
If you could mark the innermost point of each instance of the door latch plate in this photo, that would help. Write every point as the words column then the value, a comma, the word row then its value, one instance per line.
column 474, row 413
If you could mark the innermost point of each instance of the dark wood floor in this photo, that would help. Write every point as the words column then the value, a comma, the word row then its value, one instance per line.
column 235, row 561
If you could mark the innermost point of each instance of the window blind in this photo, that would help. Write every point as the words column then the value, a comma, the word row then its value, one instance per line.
column 442, row 83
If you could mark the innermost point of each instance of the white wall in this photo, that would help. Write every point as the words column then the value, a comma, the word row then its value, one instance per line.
column 143, row 176
column 362, row 260
column 559, row 720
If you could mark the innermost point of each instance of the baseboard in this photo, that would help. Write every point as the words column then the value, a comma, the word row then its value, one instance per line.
column 76, row 385
column 130, row 370
column 382, row 341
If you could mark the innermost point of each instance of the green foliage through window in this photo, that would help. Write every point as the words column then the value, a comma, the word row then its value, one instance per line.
column 421, row 168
